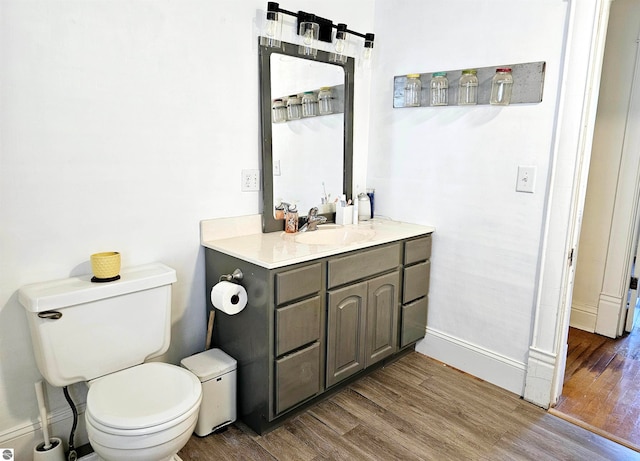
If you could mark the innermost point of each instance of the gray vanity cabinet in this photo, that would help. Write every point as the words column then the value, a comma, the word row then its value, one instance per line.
column 415, row 290
column 298, row 335
column 361, row 326
column 310, row 326
column 362, row 309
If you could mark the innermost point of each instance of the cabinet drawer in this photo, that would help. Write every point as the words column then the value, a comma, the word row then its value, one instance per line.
column 416, row 281
column 363, row 264
column 297, row 377
column 297, row 324
column 417, row 250
column 414, row 321
column 298, row 283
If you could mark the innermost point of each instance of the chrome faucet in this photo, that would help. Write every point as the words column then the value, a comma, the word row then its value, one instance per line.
column 313, row 220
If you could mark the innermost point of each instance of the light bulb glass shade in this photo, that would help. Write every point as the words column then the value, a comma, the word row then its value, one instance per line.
column 368, row 49
column 272, row 30
column 340, row 45
column 309, row 32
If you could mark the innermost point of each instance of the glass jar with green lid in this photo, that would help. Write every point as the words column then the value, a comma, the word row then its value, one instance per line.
column 468, row 88
column 309, row 104
column 439, row 89
column 412, row 91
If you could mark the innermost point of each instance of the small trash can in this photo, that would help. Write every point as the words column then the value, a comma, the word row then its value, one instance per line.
column 217, row 373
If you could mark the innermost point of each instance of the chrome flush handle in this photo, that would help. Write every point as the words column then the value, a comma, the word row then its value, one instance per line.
column 51, row 315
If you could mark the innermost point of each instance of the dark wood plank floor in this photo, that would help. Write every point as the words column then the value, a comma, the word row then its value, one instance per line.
column 602, row 383
column 414, row 409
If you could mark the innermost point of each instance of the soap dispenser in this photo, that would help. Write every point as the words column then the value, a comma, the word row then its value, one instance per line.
column 291, row 220
column 364, row 207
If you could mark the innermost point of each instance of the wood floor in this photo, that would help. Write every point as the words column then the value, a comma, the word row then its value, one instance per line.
column 414, row 409
column 602, row 383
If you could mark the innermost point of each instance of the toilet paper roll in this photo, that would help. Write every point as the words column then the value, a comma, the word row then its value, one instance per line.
column 229, row 297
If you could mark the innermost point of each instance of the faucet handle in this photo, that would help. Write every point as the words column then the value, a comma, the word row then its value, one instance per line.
column 313, row 211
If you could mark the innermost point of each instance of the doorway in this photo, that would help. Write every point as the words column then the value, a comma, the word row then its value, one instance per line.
column 600, row 374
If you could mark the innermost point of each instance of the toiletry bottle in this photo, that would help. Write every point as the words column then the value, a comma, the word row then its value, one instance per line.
column 280, row 210
column 371, row 193
column 291, row 220
column 364, row 207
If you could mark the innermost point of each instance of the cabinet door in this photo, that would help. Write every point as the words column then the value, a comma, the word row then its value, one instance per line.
column 382, row 317
column 346, row 332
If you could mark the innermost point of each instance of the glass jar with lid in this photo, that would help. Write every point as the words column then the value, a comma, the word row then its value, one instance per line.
column 412, row 91
column 468, row 88
column 439, row 87
column 501, row 87
column 325, row 103
column 279, row 114
column 309, row 104
column 294, row 107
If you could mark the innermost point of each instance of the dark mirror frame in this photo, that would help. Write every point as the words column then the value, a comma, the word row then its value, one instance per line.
column 269, row 223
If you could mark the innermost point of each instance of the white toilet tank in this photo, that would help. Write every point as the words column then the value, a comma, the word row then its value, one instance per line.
column 82, row 330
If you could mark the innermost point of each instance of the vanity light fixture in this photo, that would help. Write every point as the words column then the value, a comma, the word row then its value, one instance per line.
column 309, row 31
column 313, row 28
column 340, row 46
column 273, row 27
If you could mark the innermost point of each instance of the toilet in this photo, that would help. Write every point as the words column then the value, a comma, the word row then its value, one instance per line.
column 105, row 334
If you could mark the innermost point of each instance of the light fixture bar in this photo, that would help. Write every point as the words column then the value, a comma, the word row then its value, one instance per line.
column 326, row 25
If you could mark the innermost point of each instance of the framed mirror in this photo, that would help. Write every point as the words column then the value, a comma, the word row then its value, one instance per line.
column 309, row 160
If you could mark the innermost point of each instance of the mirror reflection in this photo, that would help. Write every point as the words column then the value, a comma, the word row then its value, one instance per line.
column 305, row 160
column 307, row 152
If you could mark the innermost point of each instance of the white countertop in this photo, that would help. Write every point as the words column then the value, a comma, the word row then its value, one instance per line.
column 277, row 249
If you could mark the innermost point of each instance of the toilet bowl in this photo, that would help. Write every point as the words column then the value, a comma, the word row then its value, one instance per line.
column 143, row 413
column 106, row 334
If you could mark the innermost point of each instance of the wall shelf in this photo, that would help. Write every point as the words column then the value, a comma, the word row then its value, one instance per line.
column 528, row 83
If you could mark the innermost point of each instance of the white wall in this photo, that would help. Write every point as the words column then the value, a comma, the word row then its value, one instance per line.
column 613, row 104
column 456, row 167
column 123, row 124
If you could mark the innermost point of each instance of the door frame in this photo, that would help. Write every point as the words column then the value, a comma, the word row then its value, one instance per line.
column 586, row 23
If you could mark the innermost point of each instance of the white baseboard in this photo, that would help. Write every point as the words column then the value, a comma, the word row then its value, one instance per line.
column 583, row 317
column 608, row 315
column 495, row 368
column 24, row 438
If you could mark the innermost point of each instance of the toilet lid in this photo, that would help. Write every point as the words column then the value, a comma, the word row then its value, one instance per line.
column 143, row 396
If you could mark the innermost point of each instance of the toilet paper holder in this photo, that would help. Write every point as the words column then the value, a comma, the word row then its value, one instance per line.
column 237, row 275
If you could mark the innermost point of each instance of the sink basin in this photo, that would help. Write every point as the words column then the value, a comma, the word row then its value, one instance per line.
column 335, row 235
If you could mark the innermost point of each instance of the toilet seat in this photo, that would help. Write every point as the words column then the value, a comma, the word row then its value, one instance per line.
column 144, row 399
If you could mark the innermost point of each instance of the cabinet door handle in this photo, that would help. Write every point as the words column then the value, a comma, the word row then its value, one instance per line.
column 51, row 315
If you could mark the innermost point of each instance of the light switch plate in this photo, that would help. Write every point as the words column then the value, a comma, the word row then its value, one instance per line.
column 250, row 180
column 526, row 179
